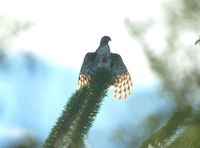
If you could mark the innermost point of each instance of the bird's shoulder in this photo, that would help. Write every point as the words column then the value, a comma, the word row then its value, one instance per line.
column 115, row 58
column 90, row 56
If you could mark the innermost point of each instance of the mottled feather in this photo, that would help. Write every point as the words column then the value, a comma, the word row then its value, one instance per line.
column 122, row 82
column 121, row 78
column 87, row 68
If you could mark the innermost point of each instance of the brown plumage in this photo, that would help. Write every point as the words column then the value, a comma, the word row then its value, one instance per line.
column 102, row 57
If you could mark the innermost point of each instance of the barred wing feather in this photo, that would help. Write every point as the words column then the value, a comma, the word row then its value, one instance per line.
column 121, row 78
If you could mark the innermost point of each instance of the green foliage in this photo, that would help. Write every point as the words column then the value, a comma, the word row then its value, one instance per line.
column 96, row 93
column 68, row 115
column 191, row 134
column 177, row 120
column 79, row 113
column 10, row 28
column 197, row 41
column 177, row 68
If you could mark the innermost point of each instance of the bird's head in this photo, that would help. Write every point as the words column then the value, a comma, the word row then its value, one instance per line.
column 105, row 40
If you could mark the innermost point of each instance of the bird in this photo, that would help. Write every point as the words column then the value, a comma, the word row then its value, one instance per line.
column 104, row 58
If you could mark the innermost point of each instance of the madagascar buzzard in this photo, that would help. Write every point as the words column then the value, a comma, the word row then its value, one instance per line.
column 102, row 57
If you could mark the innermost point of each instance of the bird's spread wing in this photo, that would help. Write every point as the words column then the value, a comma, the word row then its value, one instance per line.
column 87, row 68
column 121, row 78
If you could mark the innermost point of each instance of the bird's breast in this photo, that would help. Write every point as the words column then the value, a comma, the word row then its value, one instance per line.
column 103, row 61
column 103, row 58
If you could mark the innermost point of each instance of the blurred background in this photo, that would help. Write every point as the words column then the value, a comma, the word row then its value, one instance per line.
column 42, row 46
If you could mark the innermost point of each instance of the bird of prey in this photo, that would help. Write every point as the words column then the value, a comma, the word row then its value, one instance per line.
column 104, row 58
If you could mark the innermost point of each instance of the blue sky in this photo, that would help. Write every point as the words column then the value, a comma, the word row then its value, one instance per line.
column 62, row 32
column 32, row 102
